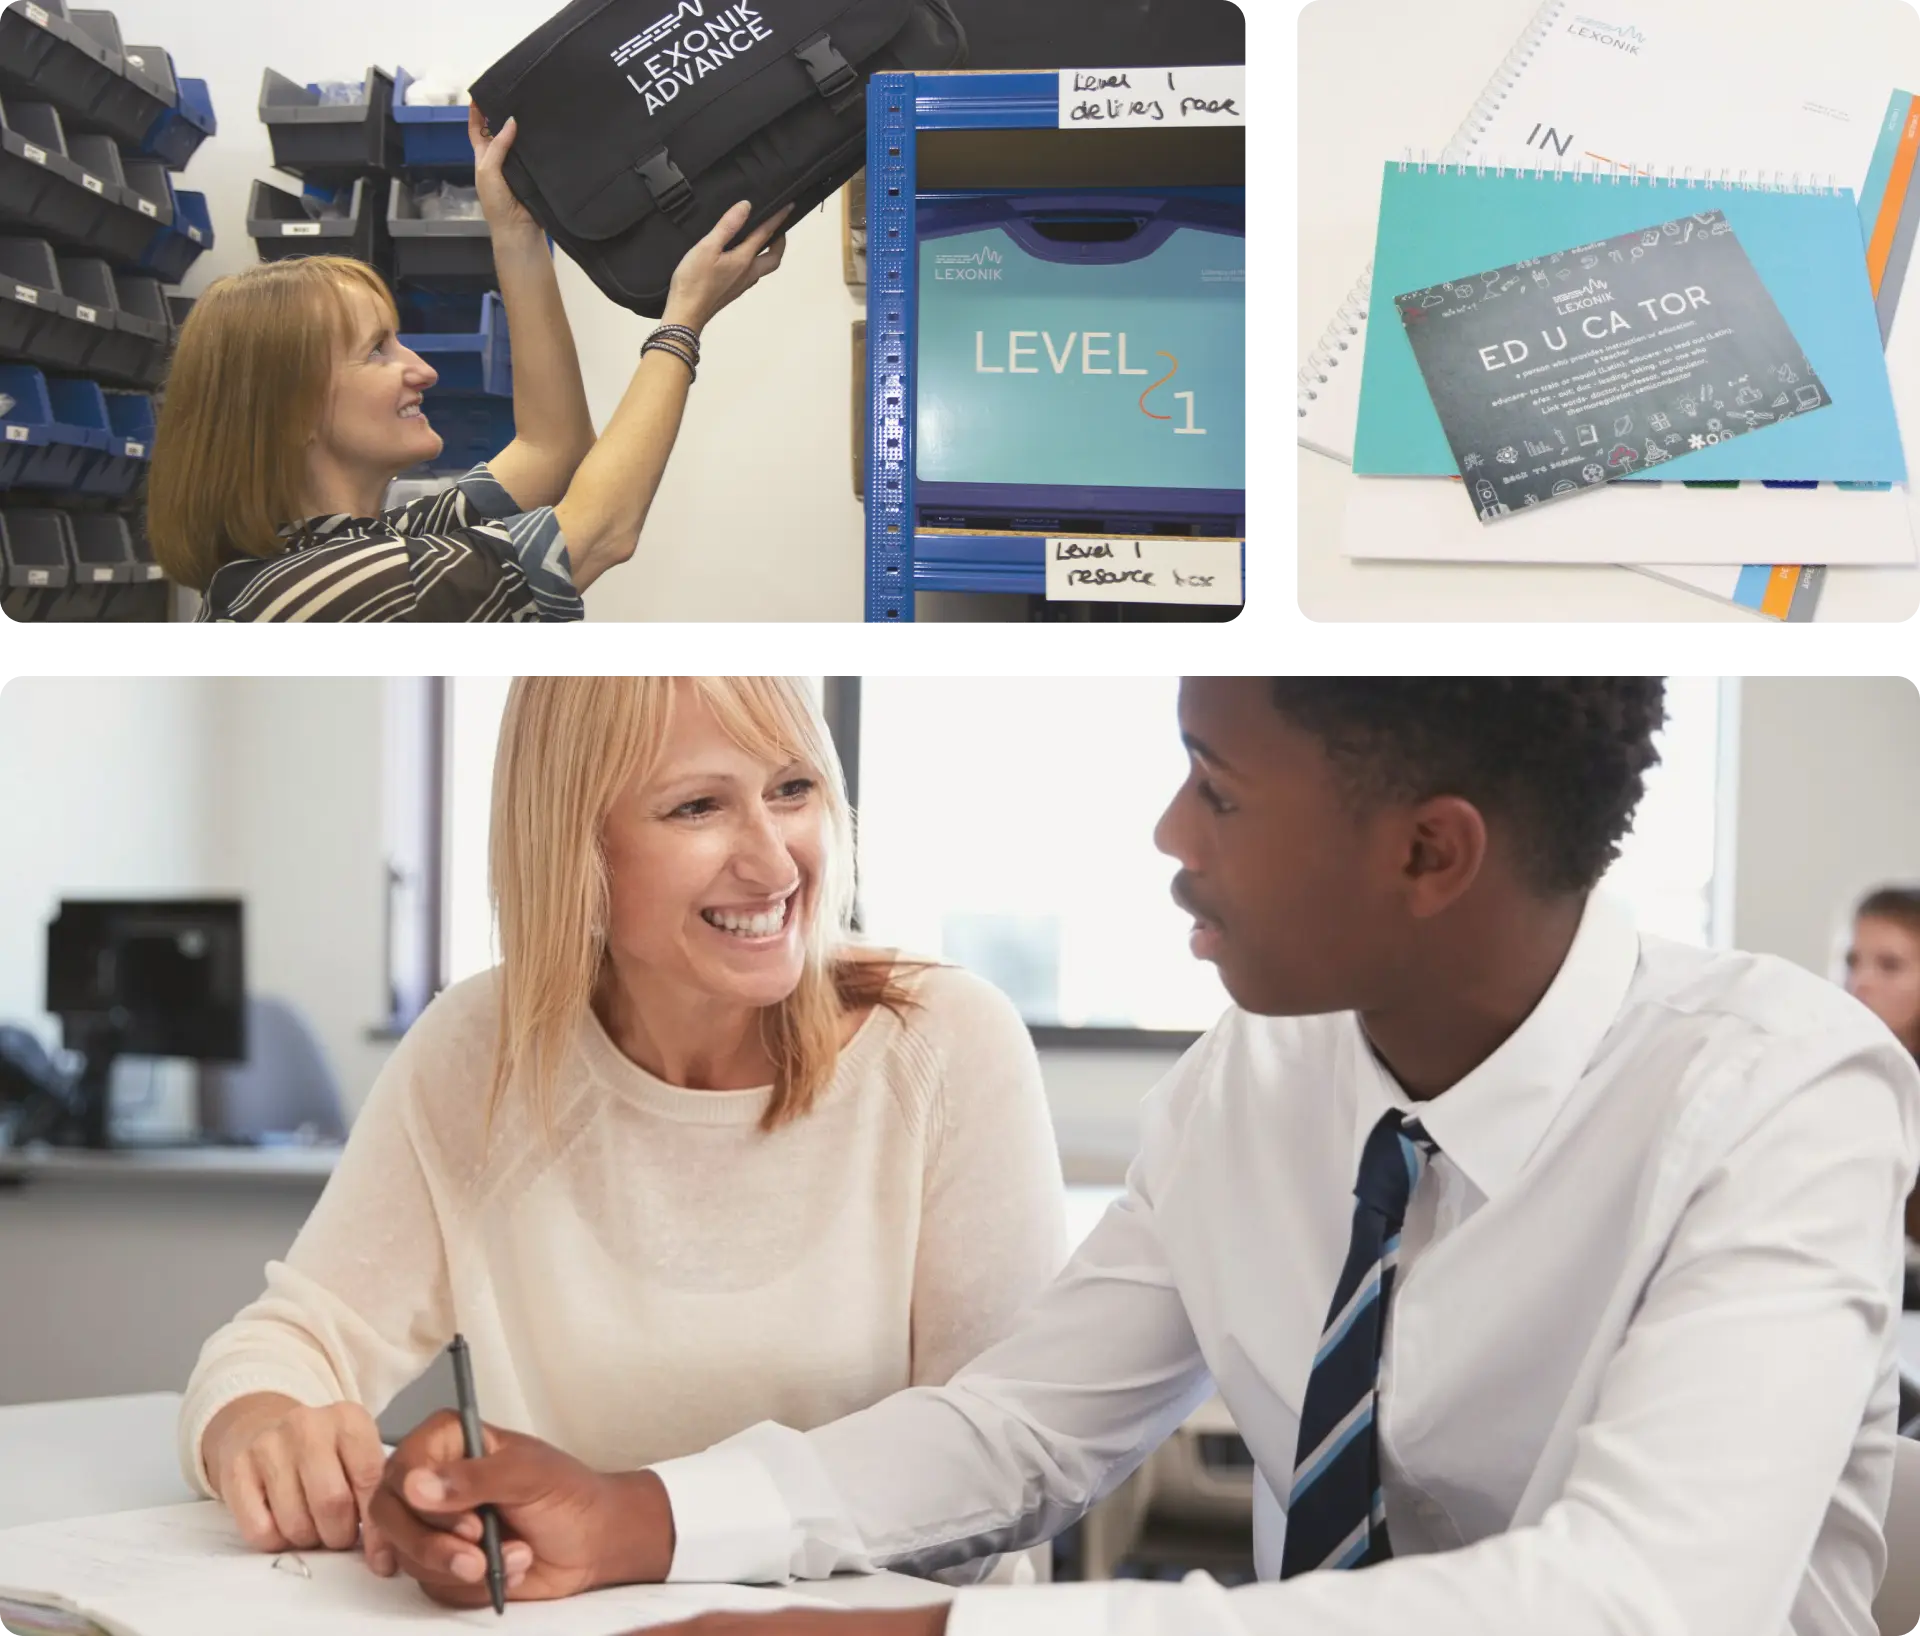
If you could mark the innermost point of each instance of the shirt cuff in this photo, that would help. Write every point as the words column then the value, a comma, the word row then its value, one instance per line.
column 485, row 495
column 730, row 1525
column 1032, row 1610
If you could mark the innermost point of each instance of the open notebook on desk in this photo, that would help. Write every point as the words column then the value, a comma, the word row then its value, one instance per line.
column 182, row 1570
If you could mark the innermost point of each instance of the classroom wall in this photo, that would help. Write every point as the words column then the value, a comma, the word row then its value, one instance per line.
column 1813, row 834
column 757, row 517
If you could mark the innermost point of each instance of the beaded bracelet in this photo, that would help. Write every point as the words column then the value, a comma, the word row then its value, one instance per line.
column 690, row 336
column 673, row 346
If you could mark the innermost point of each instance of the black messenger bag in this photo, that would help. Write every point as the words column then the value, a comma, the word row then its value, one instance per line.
column 641, row 127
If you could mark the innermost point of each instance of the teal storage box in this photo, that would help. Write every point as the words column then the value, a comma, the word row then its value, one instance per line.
column 1082, row 355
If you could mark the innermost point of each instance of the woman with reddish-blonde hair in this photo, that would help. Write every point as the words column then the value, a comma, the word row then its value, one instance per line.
column 689, row 1158
column 292, row 405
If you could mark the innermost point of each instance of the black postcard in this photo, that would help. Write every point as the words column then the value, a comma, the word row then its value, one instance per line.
column 1563, row 372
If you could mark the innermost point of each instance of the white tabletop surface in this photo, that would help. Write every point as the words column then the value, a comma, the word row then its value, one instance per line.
column 1361, row 104
column 99, row 1455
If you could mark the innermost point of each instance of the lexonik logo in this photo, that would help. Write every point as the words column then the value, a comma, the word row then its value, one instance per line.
column 980, row 266
column 683, row 47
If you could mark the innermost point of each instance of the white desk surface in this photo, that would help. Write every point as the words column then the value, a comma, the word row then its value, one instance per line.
column 100, row 1455
column 1361, row 105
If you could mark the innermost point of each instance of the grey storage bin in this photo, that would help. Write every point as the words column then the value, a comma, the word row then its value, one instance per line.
column 50, row 58
column 102, row 549
column 47, row 191
column 330, row 143
column 129, row 108
column 34, row 314
column 35, row 561
column 149, row 189
column 282, row 226
column 437, row 255
column 122, row 231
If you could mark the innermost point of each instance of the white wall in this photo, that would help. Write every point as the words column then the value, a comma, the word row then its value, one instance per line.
column 108, row 791
column 756, row 519
column 1829, row 808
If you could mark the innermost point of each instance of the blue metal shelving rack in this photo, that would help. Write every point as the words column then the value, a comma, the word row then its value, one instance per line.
column 900, row 560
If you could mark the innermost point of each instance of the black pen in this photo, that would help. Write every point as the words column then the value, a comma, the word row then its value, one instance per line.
column 476, row 1447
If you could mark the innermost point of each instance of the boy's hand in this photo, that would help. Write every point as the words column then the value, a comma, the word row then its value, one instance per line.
column 565, row 1528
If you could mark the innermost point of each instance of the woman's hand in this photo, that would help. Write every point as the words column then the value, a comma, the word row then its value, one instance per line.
column 710, row 276
column 295, row 1478
column 504, row 212
column 565, row 1527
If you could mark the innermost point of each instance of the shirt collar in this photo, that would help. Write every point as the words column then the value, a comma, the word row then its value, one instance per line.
column 1491, row 1122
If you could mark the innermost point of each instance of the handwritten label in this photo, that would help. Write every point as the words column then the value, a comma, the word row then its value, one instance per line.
column 26, row 293
column 101, row 576
column 1132, row 98
column 149, row 570
column 36, row 576
column 299, row 230
column 18, row 434
column 34, row 156
column 87, row 315
column 93, row 184
column 136, row 451
column 1163, row 570
column 148, row 208
column 196, row 235
column 36, row 15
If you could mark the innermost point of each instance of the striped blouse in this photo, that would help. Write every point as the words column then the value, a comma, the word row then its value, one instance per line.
column 466, row 555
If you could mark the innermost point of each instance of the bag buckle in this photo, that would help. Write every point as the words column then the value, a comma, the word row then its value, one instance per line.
column 833, row 76
column 671, row 192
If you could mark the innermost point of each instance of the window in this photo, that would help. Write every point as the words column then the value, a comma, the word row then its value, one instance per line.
column 1008, row 826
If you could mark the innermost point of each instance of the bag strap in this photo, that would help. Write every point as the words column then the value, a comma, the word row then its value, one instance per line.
column 833, row 76
column 667, row 183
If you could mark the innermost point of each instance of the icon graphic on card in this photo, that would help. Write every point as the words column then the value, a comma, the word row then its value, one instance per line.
column 1808, row 397
column 1622, row 425
column 1588, row 434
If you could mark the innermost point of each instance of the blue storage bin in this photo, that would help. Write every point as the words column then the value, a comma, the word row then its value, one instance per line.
column 177, row 247
column 55, row 432
column 130, row 422
column 431, row 138
column 1082, row 355
column 464, row 338
column 178, row 132
column 473, row 428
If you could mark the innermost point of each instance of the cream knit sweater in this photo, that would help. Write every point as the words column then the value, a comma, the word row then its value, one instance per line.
column 664, row 1274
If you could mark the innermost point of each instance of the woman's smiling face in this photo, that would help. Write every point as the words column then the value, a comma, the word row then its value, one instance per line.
column 374, row 419
column 714, row 863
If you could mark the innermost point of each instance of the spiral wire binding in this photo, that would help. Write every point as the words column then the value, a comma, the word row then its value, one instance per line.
column 1349, row 321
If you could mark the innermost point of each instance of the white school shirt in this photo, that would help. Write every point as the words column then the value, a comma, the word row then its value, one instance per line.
column 1639, row 1376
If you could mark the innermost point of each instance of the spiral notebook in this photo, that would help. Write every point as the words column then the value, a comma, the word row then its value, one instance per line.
column 1572, row 94
column 1820, row 382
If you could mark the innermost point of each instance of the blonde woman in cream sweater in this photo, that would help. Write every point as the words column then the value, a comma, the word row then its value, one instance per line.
column 686, row 1160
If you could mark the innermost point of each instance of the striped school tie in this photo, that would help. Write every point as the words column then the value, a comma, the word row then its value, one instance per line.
column 1336, row 1517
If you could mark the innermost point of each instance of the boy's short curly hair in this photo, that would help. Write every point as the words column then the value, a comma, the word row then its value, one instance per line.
column 1560, row 761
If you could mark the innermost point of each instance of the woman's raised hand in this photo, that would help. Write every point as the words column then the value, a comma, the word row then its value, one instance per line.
column 296, row 1478
column 504, row 212
column 710, row 276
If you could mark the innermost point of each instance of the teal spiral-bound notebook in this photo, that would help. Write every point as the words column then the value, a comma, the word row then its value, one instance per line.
column 1441, row 223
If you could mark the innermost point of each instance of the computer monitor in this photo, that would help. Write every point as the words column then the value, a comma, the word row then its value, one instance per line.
column 162, row 978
